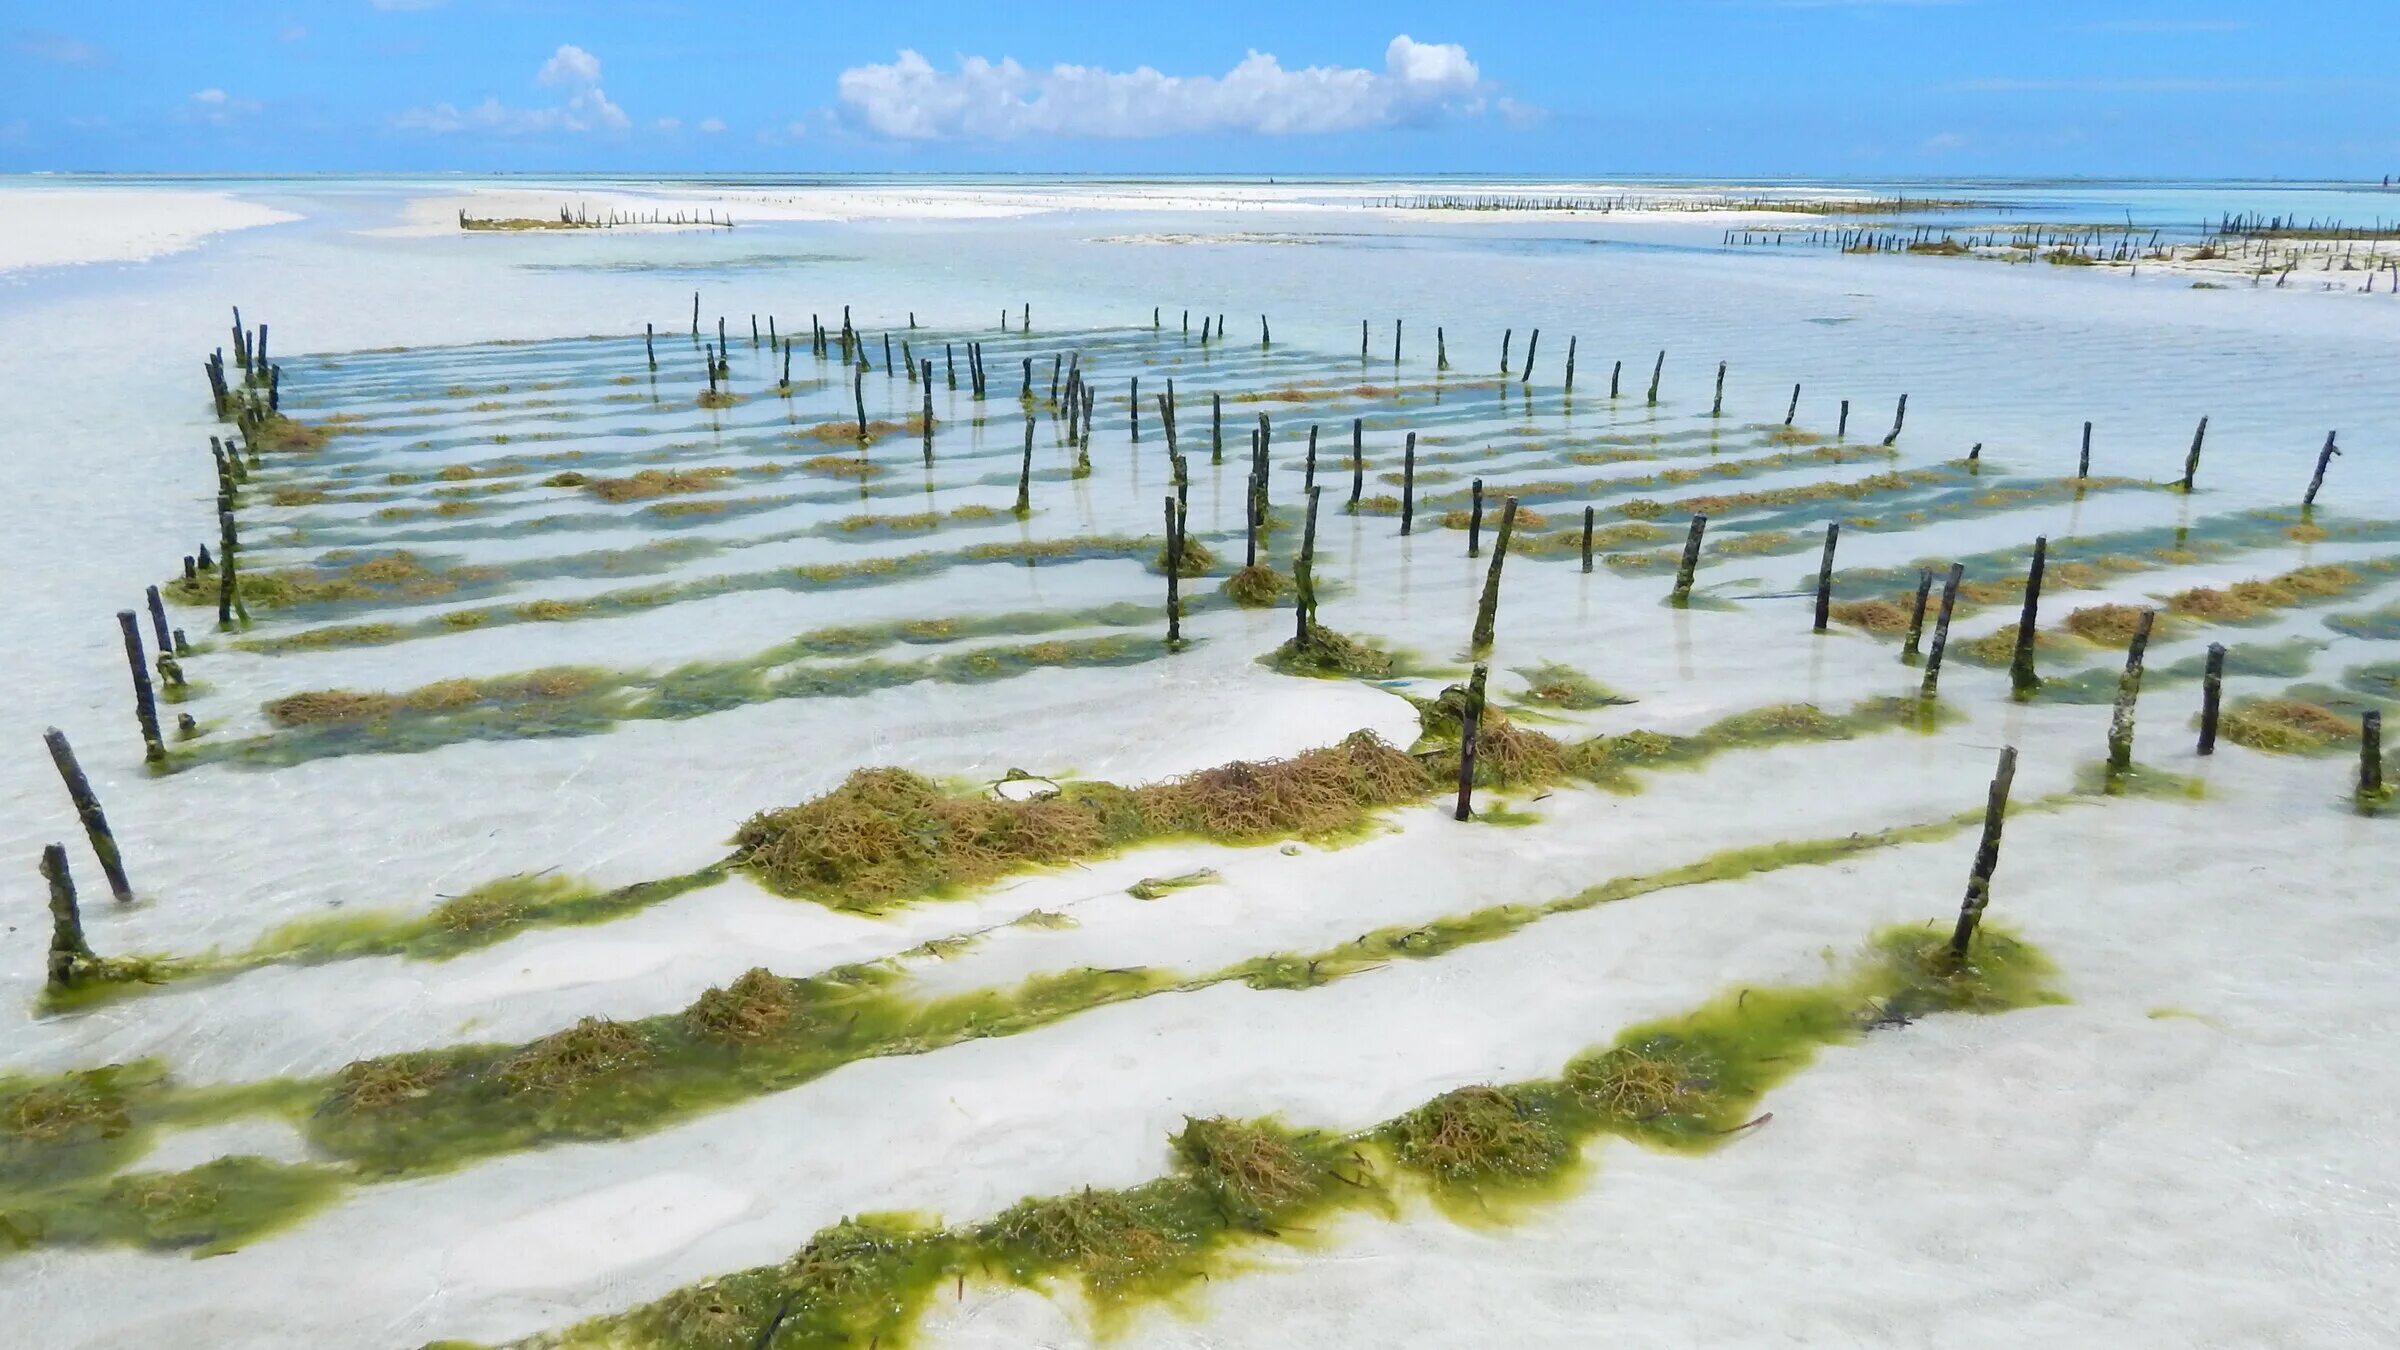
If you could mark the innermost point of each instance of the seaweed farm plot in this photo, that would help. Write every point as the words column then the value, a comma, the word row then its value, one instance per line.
column 1626, row 766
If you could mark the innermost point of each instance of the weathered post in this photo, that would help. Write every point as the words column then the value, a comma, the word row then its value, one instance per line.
column 2317, row 480
column 1408, row 484
column 1794, row 410
column 1613, row 373
column 1587, row 538
column 650, row 343
column 926, row 416
column 1441, row 350
column 1833, row 534
column 2129, row 689
column 68, row 949
column 1475, row 520
column 1505, row 335
column 1916, row 616
column 1841, row 429
column 1716, row 408
column 1656, row 371
column 1358, row 459
column 1941, row 629
column 1899, row 416
column 2191, row 461
column 2370, row 757
column 1987, row 857
column 1690, row 564
column 1570, row 388
column 158, row 622
column 1025, row 474
column 1489, row 608
column 858, row 392
column 2083, row 461
column 1216, row 428
column 2021, row 679
column 1532, row 347
column 1470, row 727
column 2212, row 694
column 1174, row 571
column 87, row 809
column 1304, row 574
column 145, row 707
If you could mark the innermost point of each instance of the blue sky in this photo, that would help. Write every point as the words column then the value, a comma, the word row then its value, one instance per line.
column 1750, row 87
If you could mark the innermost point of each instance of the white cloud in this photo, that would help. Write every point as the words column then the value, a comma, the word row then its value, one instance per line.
column 669, row 124
column 908, row 99
column 569, row 65
column 713, row 125
column 587, row 109
column 217, row 107
column 209, row 96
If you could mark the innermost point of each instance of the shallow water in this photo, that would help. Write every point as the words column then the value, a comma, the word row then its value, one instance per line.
column 2230, row 907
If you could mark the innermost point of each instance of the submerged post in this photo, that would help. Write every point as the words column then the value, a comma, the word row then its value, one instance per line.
column 926, row 417
column 1408, row 484
column 650, row 343
column 2021, row 679
column 1656, row 371
column 1613, row 373
column 1691, row 561
column 2212, row 693
column 1475, row 520
column 1505, row 335
column 1532, row 346
column 1587, row 539
column 1488, row 610
column 1916, row 615
column 1899, row 417
column 1987, row 857
column 1833, row 534
column 1174, row 571
column 87, row 809
column 1941, row 629
column 1717, row 408
column 2317, row 480
column 1794, row 410
column 1470, row 729
column 858, row 392
column 2083, row 461
column 1441, row 349
column 2129, row 689
column 1841, row 429
column 145, row 707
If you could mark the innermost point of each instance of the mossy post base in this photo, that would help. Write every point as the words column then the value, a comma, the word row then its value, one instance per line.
column 1833, row 535
column 1488, row 610
column 87, row 809
column 145, row 706
column 1916, row 616
column 2129, row 689
column 2212, row 696
column 1470, row 726
column 1690, row 562
column 1987, row 857
column 1304, row 574
column 2022, row 681
column 2317, row 480
column 1941, row 629
column 2370, row 756
column 2191, row 461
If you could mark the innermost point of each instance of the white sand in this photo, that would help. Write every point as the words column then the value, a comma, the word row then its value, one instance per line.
column 48, row 227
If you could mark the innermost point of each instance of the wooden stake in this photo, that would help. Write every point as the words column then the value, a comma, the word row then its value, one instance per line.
column 1308, row 472
column 2083, row 462
column 1613, row 373
column 87, row 809
column 1470, row 729
column 858, row 392
column 1505, row 335
column 1304, row 575
column 2212, row 693
column 1833, row 534
column 158, row 621
column 2022, row 681
column 1025, row 474
column 68, row 949
column 1691, row 560
column 2370, row 756
column 1216, row 427
column 1899, row 416
column 1174, row 572
column 1532, row 347
column 926, row 416
column 1717, row 408
column 1441, row 350
column 1396, row 323
column 1570, row 363
column 1408, row 484
column 1916, row 616
column 1489, row 609
column 1475, row 522
column 2129, row 689
column 2191, row 461
column 2317, row 479
column 1841, row 430
column 1941, row 629
column 1656, row 371
column 145, row 708
column 1987, row 857
column 1794, row 410
column 1587, row 539
column 1358, row 459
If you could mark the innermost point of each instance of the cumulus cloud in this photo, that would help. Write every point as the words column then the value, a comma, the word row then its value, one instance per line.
column 570, row 67
column 909, row 99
